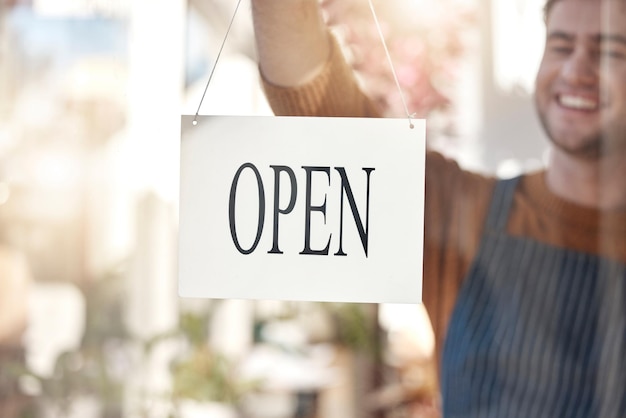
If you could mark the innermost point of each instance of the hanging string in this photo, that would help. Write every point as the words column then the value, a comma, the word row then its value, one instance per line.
column 195, row 119
column 410, row 116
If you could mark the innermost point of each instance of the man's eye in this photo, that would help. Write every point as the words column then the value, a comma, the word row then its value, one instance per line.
column 561, row 49
column 614, row 53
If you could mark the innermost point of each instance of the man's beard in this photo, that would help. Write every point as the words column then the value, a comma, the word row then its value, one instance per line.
column 592, row 147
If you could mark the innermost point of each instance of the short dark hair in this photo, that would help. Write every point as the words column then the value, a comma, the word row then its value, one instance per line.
column 547, row 8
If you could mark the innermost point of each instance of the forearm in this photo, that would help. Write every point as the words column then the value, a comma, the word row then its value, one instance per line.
column 303, row 69
column 292, row 40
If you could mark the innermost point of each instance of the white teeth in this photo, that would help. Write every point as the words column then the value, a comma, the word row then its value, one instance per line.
column 577, row 102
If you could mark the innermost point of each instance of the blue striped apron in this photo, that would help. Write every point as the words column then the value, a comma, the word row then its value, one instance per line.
column 537, row 331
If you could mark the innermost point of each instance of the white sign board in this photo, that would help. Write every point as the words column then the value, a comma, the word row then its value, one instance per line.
column 315, row 209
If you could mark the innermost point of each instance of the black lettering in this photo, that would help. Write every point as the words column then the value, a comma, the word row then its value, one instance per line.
column 231, row 208
column 310, row 208
column 292, row 200
column 363, row 231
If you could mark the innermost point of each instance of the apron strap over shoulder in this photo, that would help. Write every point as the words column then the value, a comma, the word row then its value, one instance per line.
column 501, row 203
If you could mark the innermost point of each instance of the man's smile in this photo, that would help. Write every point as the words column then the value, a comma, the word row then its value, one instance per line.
column 577, row 102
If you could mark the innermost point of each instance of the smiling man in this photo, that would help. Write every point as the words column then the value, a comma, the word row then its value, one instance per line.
column 524, row 279
column 581, row 100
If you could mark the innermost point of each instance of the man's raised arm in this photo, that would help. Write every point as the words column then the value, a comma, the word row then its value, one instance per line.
column 292, row 40
column 303, row 70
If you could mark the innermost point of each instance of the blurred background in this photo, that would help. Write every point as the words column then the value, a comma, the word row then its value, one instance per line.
column 91, row 93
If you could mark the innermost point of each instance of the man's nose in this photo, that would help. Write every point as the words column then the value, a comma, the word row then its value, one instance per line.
column 581, row 68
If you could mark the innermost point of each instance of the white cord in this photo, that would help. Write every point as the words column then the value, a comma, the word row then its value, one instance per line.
column 195, row 119
column 393, row 70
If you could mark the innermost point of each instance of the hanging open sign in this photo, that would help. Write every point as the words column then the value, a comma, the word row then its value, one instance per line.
column 315, row 209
